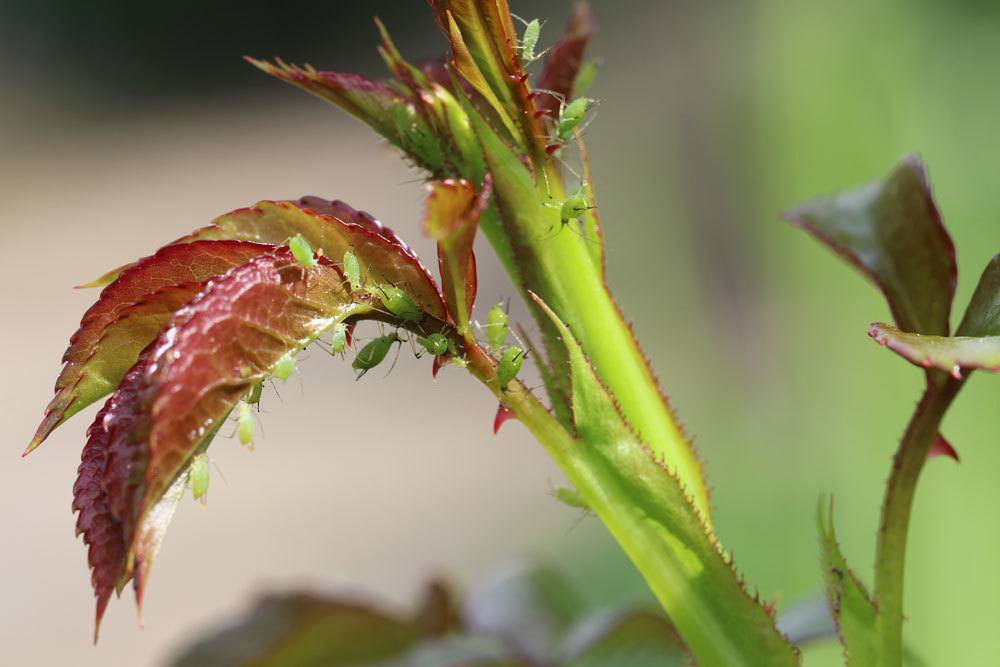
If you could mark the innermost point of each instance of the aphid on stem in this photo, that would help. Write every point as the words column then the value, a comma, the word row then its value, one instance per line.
column 352, row 270
column 529, row 39
column 509, row 366
column 338, row 338
column 435, row 343
column 245, row 426
column 497, row 326
column 285, row 366
column 374, row 353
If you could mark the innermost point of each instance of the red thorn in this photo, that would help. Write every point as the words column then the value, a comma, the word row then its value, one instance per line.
column 941, row 447
column 436, row 366
column 956, row 372
column 552, row 148
column 349, row 334
column 503, row 414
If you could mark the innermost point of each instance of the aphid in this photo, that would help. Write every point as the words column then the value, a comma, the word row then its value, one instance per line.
column 285, row 366
column 532, row 31
column 497, row 326
column 573, row 207
column 302, row 251
column 352, row 269
column 255, row 394
column 435, row 343
column 400, row 304
column 510, row 365
column 570, row 117
column 245, row 425
column 338, row 339
column 571, row 497
column 373, row 353
column 198, row 476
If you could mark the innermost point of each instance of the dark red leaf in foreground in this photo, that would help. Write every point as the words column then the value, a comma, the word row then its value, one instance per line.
column 97, row 522
column 562, row 62
column 128, row 315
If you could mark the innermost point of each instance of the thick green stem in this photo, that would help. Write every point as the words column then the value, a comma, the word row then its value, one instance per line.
column 896, row 509
column 702, row 613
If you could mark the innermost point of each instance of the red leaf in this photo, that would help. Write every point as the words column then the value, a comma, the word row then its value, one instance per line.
column 383, row 255
column 452, row 217
column 562, row 62
column 128, row 315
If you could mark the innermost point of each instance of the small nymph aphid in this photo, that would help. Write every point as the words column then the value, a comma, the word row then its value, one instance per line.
column 509, row 365
column 352, row 270
column 532, row 32
column 198, row 476
column 435, row 343
column 374, row 353
column 570, row 116
column 285, row 366
column 338, row 338
column 573, row 207
column 245, row 425
column 302, row 251
column 497, row 326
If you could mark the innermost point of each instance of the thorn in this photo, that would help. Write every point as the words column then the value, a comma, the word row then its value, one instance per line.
column 552, row 148
column 941, row 447
column 503, row 414
column 956, row 372
column 436, row 366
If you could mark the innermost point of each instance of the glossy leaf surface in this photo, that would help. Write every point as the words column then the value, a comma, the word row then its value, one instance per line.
column 892, row 232
column 328, row 226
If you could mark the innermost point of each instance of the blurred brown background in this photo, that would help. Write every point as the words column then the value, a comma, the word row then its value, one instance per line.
column 124, row 125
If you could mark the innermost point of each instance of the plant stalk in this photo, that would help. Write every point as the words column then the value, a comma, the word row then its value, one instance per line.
column 897, row 507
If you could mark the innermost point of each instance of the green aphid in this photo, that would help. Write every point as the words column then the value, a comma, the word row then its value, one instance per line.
column 255, row 394
column 302, row 251
column 509, row 366
column 198, row 476
column 400, row 304
column 571, row 497
column 285, row 366
column 574, row 207
column 338, row 338
column 435, row 343
column 245, row 425
column 570, row 117
column 497, row 326
column 584, row 78
column 352, row 269
column 532, row 32
column 374, row 353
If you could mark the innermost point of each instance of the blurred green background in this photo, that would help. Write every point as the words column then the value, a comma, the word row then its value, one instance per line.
column 126, row 124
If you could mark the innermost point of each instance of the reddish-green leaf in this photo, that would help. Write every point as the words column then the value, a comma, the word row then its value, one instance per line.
column 951, row 354
column 892, row 232
column 371, row 102
column 563, row 59
column 334, row 228
column 452, row 217
column 982, row 317
column 128, row 315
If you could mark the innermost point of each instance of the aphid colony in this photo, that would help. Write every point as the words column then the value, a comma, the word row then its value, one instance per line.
column 397, row 303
